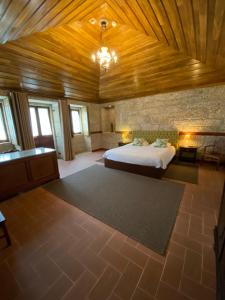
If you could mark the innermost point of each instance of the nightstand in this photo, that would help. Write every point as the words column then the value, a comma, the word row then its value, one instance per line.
column 123, row 143
column 188, row 154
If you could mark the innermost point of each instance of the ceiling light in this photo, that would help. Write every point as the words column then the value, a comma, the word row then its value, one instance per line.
column 114, row 23
column 92, row 21
column 104, row 56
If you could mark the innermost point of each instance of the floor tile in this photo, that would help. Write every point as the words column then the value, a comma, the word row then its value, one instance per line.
column 58, row 289
column 172, row 270
column 82, row 287
column 195, row 290
column 134, row 254
column 128, row 281
column 151, row 276
column 166, row 292
column 193, row 265
column 114, row 258
column 9, row 288
column 105, row 285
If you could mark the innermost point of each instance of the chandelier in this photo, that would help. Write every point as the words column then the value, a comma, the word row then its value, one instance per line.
column 104, row 56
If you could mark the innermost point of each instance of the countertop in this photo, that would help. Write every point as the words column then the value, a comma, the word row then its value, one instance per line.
column 23, row 154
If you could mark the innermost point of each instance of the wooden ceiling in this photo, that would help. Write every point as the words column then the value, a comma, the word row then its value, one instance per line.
column 162, row 45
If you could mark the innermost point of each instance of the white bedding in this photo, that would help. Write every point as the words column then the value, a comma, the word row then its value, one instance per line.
column 142, row 155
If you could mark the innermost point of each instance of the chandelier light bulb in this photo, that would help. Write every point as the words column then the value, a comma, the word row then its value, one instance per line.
column 104, row 56
column 93, row 57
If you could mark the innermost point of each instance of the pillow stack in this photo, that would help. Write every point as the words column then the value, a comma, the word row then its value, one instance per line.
column 161, row 143
column 139, row 142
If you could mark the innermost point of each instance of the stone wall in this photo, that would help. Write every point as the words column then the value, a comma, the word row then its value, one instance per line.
column 200, row 109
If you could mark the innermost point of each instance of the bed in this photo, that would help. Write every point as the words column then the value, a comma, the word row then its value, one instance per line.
column 145, row 160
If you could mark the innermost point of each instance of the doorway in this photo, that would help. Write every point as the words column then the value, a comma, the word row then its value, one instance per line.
column 42, row 126
column 46, row 124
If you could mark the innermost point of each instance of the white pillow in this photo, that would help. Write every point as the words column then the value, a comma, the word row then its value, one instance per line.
column 139, row 142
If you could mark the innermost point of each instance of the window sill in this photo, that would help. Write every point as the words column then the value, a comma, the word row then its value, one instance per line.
column 4, row 142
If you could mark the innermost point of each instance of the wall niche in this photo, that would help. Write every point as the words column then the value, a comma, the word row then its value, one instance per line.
column 108, row 118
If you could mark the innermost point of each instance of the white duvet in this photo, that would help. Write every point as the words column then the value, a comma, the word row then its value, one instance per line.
column 142, row 155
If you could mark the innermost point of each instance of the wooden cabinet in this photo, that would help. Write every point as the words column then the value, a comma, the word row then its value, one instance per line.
column 24, row 170
column 220, row 250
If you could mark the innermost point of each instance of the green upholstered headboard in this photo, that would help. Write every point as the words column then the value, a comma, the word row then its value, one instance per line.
column 151, row 136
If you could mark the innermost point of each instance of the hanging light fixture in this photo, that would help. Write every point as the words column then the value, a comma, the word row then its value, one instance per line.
column 104, row 56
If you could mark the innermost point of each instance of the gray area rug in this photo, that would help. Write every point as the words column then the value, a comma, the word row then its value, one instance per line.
column 143, row 208
column 181, row 171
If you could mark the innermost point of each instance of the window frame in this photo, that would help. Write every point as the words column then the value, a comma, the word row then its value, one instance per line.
column 4, row 124
column 71, row 120
column 38, row 119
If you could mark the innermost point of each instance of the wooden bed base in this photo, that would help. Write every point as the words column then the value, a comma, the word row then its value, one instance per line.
column 137, row 169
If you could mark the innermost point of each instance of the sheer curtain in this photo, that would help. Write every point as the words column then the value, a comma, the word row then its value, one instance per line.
column 21, row 116
column 66, row 130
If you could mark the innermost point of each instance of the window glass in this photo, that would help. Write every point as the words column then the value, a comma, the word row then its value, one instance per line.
column 76, row 124
column 33, row 121
column 44, row 121
column 3, row 134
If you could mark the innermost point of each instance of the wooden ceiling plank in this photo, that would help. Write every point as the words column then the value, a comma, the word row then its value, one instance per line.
column 74, row 40
column 82, row 58
column 202, row 33
column 15, row 71
column 88, row 39
column 155, row 76
column 4, row 4
column 138, row 12
column 53, row 68
column 52, row 58
column 41, row 69
column 30, row 25
column 210, row 25
column 151, row 68
column 13, row 11
column 216, row 29
column 32, row 7
column 164, row 21
column 152, row 19
column 122, row 9
column 61, row 13
column 174, row 18
column 80, row 11
column 162, row 76
column 183, row 26
column 104, row 11
column 220, row 57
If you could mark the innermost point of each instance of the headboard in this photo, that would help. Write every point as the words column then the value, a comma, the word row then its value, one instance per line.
column 151, row 136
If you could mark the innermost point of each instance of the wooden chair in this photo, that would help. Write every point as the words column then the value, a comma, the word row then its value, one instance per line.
column 214, row 153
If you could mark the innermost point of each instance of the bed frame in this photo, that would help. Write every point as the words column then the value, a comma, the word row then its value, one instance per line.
column 150, row 136
column 137, row 169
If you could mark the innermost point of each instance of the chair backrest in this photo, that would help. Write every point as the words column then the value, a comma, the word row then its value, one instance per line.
column 220, row 145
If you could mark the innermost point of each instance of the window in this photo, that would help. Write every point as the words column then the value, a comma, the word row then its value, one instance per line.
column 34, row 121
column 3, row 131
column 76, row 121
column 40, row 121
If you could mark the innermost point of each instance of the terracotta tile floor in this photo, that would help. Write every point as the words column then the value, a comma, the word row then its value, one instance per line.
column 59, row 252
